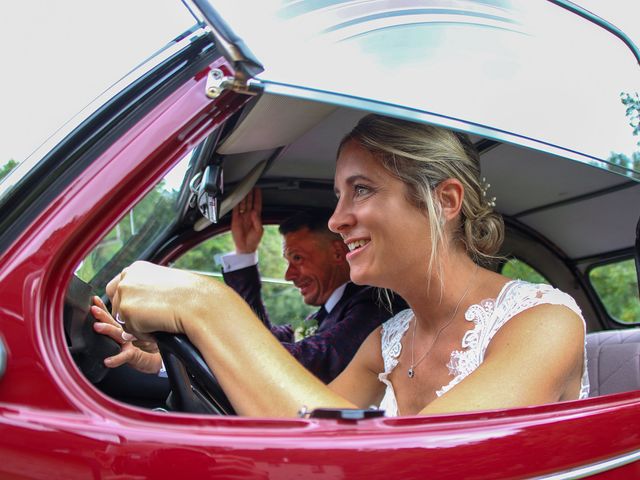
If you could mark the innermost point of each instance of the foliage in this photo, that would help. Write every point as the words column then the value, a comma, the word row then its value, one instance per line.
column 632, row 102
column 282, row 300
column 6, row 168
column 625, row 162
column 125, row 243
column 615, row 283
column 137, row 231
column 519, row 270
column 617, row 287
column 202, row 258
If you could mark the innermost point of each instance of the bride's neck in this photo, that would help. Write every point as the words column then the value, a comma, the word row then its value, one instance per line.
column 434, row 301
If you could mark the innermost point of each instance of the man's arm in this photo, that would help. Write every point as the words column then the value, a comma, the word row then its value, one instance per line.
column 246, row 282
column 240, row 270
column 330, row 350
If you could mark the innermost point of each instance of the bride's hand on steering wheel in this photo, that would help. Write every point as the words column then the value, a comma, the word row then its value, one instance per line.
column 143, row 356
column 149, row 298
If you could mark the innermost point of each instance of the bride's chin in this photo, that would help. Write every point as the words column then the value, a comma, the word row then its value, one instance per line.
column 360, row 277
column 356, row 277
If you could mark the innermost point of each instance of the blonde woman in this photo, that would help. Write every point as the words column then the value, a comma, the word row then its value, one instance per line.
column 416, row 219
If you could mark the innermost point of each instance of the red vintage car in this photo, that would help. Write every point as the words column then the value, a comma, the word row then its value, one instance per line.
column 547, row 91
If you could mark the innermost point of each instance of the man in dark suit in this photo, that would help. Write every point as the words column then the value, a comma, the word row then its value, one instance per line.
column 318, row 268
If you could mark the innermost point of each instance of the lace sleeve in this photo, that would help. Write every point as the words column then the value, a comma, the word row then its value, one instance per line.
column 392, row 333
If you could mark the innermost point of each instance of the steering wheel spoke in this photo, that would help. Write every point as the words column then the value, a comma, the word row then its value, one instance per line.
column 194, row 387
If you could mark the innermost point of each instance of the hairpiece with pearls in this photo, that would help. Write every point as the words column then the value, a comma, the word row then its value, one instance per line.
column 484, row 188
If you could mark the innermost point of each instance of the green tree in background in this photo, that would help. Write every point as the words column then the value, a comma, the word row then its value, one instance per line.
column 631, row 103
column 617, row 287
column 124, row 244
column 282, row 300
column 624, row 161
column 6, row 168
column 519, row 270
column 615, row 283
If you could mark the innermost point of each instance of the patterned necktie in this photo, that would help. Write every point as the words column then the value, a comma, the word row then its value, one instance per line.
column 320, row 314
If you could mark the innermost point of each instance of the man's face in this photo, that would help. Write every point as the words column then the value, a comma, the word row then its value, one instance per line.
column 314, row 265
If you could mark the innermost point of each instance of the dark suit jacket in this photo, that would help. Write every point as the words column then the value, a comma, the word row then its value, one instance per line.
column 328, row 351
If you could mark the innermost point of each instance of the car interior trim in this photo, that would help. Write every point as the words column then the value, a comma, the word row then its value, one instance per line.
column 238, row 194
column 412, row 114
column 576, row 199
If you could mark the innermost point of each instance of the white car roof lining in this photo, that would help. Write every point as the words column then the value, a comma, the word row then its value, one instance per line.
column 561, row 198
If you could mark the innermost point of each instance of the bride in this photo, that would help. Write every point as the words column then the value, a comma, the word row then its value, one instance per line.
column 417, row 220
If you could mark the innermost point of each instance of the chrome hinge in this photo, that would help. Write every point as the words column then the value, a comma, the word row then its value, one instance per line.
column 217, row 83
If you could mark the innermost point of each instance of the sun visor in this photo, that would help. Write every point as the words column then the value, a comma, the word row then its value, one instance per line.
column 274, row 121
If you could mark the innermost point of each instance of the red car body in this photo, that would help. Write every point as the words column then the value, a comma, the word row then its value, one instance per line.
column 55, row 424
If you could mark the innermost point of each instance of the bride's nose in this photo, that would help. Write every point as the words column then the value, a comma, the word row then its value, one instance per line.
column 342, row 218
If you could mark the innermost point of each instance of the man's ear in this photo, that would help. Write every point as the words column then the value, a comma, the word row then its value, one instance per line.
column 338, row 251
column 450, row 192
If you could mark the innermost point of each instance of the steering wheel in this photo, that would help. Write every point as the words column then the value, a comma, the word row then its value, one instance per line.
column 194, row 387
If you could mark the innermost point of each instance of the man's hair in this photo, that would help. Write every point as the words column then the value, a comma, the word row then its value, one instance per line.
column 315, row 220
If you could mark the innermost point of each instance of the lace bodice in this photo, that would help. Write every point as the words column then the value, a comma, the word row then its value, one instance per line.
column 488, row 317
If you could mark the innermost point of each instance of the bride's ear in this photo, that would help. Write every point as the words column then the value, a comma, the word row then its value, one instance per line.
column 450, row 193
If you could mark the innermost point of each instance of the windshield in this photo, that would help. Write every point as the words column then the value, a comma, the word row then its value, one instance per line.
column 136, row 232
column 77, row 59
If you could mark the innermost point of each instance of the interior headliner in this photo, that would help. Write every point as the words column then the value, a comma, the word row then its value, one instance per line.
column 564, row 200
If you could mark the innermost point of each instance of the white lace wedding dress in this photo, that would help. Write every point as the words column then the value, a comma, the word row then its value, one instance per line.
column 488, row 316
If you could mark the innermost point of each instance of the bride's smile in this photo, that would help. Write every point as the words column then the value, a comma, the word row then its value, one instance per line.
column 386, row 234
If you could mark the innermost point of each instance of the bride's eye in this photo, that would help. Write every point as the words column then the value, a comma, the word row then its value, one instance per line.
column 361, row 190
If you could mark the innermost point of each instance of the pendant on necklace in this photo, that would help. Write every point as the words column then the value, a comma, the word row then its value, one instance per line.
column 411, row 373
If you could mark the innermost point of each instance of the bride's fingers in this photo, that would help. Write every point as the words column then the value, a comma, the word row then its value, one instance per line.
column 112, row 286
column 125, row 356
column 141, row 338
column 97, row 301
column 103, row 316
column 106, row 325
column 113, row 332
column 149, row 347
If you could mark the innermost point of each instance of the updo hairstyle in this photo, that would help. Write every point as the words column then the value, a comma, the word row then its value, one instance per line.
column 422, row 156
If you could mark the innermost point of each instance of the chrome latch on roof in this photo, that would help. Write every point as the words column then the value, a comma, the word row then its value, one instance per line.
column 218, row 82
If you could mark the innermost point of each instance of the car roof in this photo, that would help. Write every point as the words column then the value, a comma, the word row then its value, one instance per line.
column 585, row 209
column 508, row 70
column 543, row 88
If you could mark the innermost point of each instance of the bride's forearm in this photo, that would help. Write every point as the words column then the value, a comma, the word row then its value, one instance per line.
column 258, row 375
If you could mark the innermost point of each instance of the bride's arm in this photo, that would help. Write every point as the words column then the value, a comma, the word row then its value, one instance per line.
column 537, row 357
column 258, row 375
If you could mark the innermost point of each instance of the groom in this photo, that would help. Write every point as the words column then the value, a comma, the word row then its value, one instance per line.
column 318, row 268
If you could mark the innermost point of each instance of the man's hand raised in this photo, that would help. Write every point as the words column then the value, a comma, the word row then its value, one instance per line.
column 246, row 222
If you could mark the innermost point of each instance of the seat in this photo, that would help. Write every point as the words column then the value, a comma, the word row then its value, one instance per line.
column 613, row 361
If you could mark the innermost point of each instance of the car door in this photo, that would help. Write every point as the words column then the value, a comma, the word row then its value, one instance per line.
column 54, row 208
column 54, row 420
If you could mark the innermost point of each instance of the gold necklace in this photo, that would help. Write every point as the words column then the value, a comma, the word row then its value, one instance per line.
column 411, row 372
